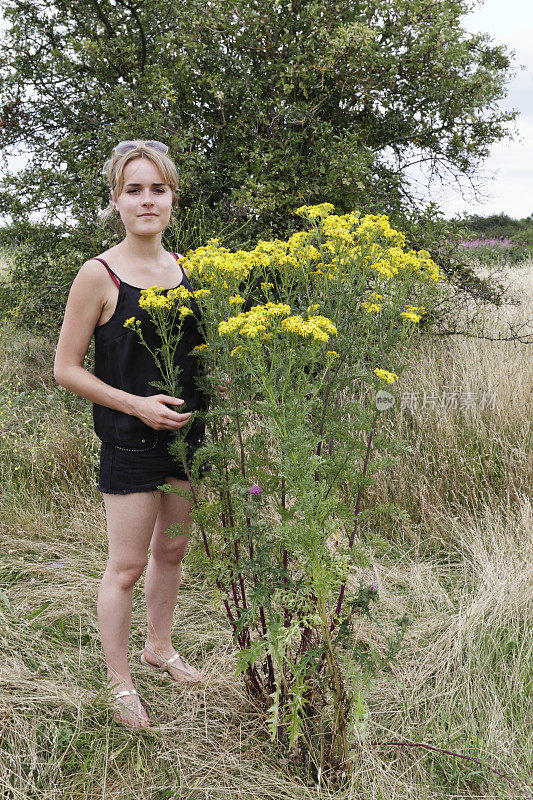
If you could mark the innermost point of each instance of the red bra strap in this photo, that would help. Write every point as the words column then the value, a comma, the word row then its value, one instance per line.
column 179, row 262
column 114, row 278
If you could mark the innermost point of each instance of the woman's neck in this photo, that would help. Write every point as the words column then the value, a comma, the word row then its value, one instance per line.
column 142, row 250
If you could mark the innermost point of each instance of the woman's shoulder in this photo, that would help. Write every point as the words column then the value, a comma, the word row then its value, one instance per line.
column 94, row 266
column 93, row 275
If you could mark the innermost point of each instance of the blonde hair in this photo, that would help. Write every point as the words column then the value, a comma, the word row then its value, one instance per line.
column 114, row 170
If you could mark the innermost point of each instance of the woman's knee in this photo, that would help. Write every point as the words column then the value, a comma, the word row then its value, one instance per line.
column 126, row 575
column 166, row 548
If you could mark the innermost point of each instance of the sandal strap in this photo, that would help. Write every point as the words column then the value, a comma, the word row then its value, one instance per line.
column 123, row 694
column 171, row 660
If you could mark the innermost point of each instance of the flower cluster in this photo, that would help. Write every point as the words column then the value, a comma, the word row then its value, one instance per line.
column 390, row 377
column 340, row 229
column 217, row 265
column 414, row 313
column 394, row 261
column 251, row 323
column 377, row 228
column 263, row 319
column 369, row 307
column 483, row 241
column 319, row 328
column 156, row 298
column 315, row 212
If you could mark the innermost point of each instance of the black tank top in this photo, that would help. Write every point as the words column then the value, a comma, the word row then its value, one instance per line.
column 122, row 361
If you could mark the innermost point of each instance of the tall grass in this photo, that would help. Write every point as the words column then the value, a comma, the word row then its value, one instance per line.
column 461, row 566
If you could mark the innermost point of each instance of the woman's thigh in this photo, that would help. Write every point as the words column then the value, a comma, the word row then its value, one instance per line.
column 173, row 524
column 130, row 525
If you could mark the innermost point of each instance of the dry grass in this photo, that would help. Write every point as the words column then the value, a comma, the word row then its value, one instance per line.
column 462, row 568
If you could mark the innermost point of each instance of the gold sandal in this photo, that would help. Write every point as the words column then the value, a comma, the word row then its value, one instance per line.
column 130, row 710
column 164, row 667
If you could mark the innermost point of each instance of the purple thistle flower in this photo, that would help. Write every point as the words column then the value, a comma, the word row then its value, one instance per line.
column 255, row 489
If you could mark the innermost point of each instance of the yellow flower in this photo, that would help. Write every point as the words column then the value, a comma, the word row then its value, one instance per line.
column 236, row 300
column 390, row 377
column 235, row 351
column 314, row 212
column 184, row 311
column 130, row 322
column 319, row 328
column 218, row 266
column 180, row 293
column 200, row 348
column 202, row 293
column 369, row 307
column 151, row 299
column 413, row 313
column 332, row 354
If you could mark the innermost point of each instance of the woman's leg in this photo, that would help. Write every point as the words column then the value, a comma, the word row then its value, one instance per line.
column 130, row 524
column 163, row 576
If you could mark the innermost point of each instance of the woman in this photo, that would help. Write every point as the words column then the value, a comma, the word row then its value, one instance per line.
column 134, row 421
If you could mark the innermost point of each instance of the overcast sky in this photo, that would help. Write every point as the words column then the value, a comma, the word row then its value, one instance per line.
column 509, row 170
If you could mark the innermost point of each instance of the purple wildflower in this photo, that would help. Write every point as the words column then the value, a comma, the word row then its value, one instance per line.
column 255, row 490
column 373, row 586
column 481, row 242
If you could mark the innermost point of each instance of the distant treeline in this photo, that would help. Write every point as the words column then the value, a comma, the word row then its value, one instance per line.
column 496, row 226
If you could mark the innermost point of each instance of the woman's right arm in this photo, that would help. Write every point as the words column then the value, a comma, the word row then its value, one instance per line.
column 86, row 300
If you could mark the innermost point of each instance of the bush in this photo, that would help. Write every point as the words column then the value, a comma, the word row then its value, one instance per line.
column 41, row 263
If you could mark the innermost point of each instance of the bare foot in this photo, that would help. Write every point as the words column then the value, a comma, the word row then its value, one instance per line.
column 128, row 709
column 179, row 670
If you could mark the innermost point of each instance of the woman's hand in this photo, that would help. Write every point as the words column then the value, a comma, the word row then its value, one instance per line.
column 155, row 412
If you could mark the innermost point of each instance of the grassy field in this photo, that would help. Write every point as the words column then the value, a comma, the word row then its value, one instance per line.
column 462, row 568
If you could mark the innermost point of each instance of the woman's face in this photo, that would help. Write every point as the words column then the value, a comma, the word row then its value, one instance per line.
column 145, row 202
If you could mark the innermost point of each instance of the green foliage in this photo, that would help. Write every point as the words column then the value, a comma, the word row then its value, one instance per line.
column 499, row 225
column 264, row 107
column 41, row 263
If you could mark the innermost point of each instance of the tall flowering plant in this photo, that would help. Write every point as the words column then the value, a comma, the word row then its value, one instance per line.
column 307, row 330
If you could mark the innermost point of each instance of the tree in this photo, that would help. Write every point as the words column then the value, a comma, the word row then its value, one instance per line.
column 265, row 105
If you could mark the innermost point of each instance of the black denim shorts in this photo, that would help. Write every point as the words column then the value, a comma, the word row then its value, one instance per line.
column 125, row 469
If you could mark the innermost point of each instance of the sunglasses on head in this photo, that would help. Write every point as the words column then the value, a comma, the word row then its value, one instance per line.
column 125, row 147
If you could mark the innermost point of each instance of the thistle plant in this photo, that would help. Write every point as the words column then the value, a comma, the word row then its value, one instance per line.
column 306, row 330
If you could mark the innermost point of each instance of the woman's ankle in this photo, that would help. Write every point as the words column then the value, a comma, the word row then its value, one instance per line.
column 159, row 645
column 118, row 680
